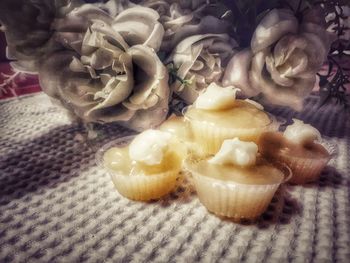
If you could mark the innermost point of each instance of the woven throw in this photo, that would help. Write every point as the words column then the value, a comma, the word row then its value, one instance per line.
column 56, row 205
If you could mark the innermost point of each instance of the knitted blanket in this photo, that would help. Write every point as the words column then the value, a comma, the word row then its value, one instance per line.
column 56, row 205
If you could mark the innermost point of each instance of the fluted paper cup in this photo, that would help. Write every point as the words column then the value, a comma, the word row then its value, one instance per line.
column 138, row 187
column 231, row 199
column 305, row 168
column 209, row 137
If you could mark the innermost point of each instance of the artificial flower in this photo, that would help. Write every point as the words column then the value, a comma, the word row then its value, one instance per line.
column 70, row 29
column 112, row 72
column 200, row 60
column 283, row 59
column 32, row 29
column 27, row 27
column 182, row 19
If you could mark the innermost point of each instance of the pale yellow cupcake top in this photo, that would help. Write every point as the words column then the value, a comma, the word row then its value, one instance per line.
column 299, row 140
column 273, row 144
column 219, row 106
column 237, row 162
column 177, row 126
column 259, row 174
column 242, row 115
column 301, row 133
column 151, row 152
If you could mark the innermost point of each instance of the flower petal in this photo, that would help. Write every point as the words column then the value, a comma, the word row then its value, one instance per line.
column 70, row 40
column 199, row 60
column 317, row 51
column 207, row 24
column 274, row 93
column 151, row 92
column 155, row 39
column 188, row 50
column 286, row 46
column 277, row 23
column 99, row 34
column 184, row 62
column 77, row 66
column 237, row 73
column 136, row 24
column 91, row 12
column 276, row 76
column 101, row 59
column 117, row 90
column 70, row 23
column 152, row 72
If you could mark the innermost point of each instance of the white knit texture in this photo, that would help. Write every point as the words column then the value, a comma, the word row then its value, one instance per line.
column 56, row 205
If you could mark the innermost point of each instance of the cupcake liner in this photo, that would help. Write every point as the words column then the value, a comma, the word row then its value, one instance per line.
column 304, row 169
column 138, row 187
column 145, row 187
column 235, row 200
column 210, row 137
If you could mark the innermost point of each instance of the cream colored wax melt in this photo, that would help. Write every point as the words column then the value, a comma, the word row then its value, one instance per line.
column 233, row 118
column 148, row 167
column 177, row 126
column 235, row 183
column 298, row 148
column 216, row 98
column 301, row 133
column 236, row 152
column 181, row 129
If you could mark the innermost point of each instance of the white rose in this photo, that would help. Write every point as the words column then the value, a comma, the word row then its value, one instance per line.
column 200, row 60
column 112, row 73
column 27, row 27
column 284, row 57
column 182, row 19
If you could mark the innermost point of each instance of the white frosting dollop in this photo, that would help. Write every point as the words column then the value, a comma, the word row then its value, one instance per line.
column 256, row 104
column 301, row 133
column 216, row 97
column 149, row 146
column 236, row 152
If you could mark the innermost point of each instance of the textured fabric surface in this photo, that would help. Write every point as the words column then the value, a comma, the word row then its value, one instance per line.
column 56, row 205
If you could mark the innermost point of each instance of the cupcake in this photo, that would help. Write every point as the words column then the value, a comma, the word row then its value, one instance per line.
column 297, row 147
column 177, row 126
column 235, row 183
column 180, row 128
column 216, row 115
column 147, row 167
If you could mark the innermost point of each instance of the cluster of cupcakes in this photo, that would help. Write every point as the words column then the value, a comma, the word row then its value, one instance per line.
column 231, row 149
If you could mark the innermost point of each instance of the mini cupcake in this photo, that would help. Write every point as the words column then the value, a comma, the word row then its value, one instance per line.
column 147, row 166
column 180, row 128
column 235, row 183
column 298, row 148
column 177, row 126
column 216, row 116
